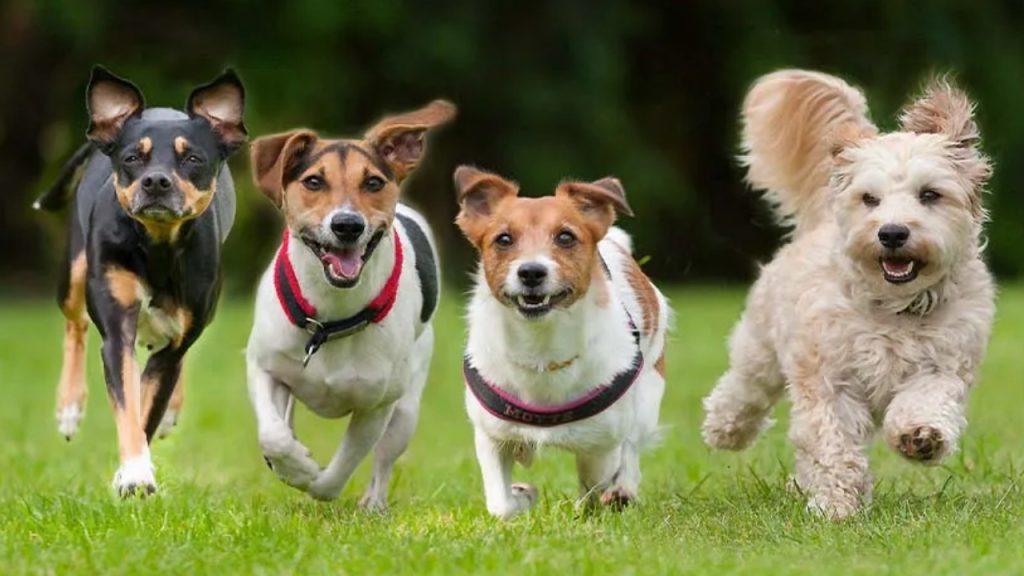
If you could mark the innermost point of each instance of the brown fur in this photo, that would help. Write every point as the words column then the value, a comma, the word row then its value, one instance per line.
column 123, row 286
column 491, row 206
column 181, row 145
column 130, row 435
column 659, row 365
column 645, row 296
column 72, row 389
column 145, row 146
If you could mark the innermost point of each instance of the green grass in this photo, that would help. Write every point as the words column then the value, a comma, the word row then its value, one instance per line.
column 221, row 511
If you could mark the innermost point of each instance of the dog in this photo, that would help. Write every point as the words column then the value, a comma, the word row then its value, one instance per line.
column 566, row 337
column 152, row 209
column 877, row 312
column 343, row 315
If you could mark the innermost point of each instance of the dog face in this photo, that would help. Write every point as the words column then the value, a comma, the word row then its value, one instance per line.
column 909, row 203
column 165, row 170
column 340, row 196
column 537, row 254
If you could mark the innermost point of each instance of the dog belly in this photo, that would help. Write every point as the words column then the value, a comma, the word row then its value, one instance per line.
column 333, row 392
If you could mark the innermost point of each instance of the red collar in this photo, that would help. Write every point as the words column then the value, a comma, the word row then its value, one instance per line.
column 303, row 314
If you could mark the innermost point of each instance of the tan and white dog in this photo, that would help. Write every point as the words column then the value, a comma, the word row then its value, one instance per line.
column 343, row 314
column 877, row 313
column 566, row 337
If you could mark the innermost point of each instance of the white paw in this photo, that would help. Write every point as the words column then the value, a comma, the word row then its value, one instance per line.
column 167, row 423
column 135, row 477
column 68, row 419
column 323, row 488
column 289, row 459
column 373, row 502
column 523, row 498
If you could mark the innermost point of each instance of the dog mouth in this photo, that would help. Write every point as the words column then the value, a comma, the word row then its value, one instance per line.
column 537, row 305
column 900, row 270
column 343, row 264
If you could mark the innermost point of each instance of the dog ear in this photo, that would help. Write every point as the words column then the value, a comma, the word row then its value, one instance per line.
column 111, row 101
column 222, row 103
column 275, row 158
column 598, row 201
column 478, row 192
column 945, row 109
column 400, row 139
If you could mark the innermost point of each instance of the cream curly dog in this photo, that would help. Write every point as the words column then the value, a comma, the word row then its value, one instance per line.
column 877, row 312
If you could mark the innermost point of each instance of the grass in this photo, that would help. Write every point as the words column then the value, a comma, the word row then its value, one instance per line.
column 221, row 511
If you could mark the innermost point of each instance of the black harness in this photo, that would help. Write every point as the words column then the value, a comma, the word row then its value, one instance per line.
column 502, row 405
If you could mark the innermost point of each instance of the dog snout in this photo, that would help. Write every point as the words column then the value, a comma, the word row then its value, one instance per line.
column 532, row 274
column 893, row 235
column 347, row 227
column 156, row 183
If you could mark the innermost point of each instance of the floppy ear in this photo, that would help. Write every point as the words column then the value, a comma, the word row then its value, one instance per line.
column 222, row 103
column 400, row 139
column 478, row 192
column 275, row 158
column 598, row 201
column 945, row 109
column 111, row 101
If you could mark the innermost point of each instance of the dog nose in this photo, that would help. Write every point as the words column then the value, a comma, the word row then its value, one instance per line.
column 347, row 227
column 893, row 235
column 156, row 182
column 532, row 275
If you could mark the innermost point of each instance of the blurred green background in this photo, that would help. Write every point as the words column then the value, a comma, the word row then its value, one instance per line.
column 645, row 91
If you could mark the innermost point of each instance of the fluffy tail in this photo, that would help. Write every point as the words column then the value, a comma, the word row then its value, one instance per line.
column 56, row 197
column 790, row 118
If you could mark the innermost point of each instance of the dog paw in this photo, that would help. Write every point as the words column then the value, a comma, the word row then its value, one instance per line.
column 617, row 497
column 167, row 423
column 522, row 499
column 291, row 461
column 922, row 444
column 68, row 419
column 135, row 477
column 373, row 502
column 833, row 508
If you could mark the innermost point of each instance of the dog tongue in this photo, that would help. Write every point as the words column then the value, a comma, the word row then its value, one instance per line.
column 344, row 264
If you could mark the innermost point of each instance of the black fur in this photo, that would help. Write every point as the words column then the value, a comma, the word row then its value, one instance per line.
column 426, row 266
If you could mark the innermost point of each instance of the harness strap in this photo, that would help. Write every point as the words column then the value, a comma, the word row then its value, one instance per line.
column 302, row 313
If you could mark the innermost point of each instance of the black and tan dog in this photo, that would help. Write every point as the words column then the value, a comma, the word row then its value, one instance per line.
column 151, row 211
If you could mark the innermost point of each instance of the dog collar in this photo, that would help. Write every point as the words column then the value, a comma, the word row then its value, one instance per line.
column 302, row 313
column 922, row 304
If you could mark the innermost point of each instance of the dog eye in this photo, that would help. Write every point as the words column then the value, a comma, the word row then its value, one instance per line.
column 373, row 184
column 193, row 159
column 929, row 196
column 565, row 239
column 130, row 159
column 504, row 240
column 313, row 183
column 870, row 200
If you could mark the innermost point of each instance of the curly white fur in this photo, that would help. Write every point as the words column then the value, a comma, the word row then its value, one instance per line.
column 857, row 351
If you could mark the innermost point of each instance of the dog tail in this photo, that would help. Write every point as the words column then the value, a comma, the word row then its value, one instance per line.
column 56, row 197
column 790, row 119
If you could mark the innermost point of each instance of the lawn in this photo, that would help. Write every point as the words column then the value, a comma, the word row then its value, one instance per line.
column 219, row 509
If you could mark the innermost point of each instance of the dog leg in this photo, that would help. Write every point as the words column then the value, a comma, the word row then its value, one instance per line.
column 170, row 419
column 925, row 420
column 72, row 391
column 830, row 431
column 401, row 426
column 598, row 473
column 136, row 475
column 151, row 379
column 286, row 456
column 364, row 431
column 736, row 411
column 505, row 500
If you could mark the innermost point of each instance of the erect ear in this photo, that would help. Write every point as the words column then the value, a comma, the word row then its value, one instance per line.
column 478, row 192
column 945, row 109
column 111, row 101
column 598, row 201
column 275, row 159
column 848, row 134
column 400, row 139
column 222, row 103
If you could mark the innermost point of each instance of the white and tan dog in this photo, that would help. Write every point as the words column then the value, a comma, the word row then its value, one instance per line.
column 343, row 314
column 877, row 313
column 566, row 337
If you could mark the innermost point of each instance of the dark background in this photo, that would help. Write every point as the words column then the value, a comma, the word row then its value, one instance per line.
column 645, row 91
